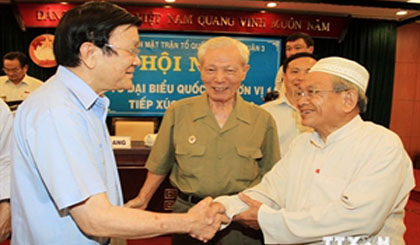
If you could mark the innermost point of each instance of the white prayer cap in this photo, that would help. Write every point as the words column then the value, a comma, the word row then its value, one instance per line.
column 344, row 68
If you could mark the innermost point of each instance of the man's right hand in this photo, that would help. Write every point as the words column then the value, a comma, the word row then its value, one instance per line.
column 136, row 202
column 207, row 218
column 5, row 221
column 149, row 187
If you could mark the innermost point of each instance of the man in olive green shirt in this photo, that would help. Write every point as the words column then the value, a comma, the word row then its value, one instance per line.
column 213, row 144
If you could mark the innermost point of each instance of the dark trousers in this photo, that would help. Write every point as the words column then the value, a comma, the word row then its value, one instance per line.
column 234, row 234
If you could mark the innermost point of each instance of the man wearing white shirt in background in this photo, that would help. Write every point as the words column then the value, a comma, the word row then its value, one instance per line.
column 6, row 122
column 346, row 182
column 16, row 85
column 284, row 109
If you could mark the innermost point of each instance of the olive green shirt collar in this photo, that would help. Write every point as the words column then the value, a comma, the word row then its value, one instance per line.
column 202, row 109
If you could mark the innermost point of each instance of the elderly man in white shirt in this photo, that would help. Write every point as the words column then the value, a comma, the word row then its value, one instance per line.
column 6, row 122
column 16, row 85
column 345, row 183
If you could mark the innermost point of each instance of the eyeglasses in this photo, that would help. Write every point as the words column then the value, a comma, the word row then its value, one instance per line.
column 312, row 92
column 132, row 51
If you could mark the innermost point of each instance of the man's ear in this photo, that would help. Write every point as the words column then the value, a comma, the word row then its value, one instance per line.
column 311, row 49
column 88, row 52
column 25, row 68
column 350, row 98
column 246, row 67
column 245, row 70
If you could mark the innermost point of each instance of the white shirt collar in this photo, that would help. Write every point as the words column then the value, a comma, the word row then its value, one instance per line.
column 338, row 134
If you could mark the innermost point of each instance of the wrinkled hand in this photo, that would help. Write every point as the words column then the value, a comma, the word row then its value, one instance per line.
column 207, row 218
column 5, row 221
column 250, row 216
column 136, row 202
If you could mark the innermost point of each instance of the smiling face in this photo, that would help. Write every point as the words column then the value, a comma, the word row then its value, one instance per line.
column 222, row 72
column 323, row 111
column 295, row 73
column 297, row 46
column 115, row 69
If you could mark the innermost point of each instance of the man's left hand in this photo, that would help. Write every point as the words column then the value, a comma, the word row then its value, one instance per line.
column 250, row 216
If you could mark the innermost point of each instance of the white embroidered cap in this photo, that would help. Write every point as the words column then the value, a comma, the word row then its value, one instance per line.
column 344, row 68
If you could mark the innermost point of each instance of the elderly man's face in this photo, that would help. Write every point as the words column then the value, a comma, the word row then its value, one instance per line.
column 115, row 70
column 295, row 73
column 297, row 46
column 320, row 106
column 222, row 71
column 14, row 71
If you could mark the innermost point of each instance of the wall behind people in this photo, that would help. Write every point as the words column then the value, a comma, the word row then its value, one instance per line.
column 12, row 38
column 372, row 43
column 369, row 42
column 405, row 116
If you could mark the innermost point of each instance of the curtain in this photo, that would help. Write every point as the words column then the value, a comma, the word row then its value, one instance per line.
column 372, row 43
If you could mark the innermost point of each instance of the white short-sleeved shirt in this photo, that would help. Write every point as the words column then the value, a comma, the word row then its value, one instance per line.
column 12, row 92
column 287, row 120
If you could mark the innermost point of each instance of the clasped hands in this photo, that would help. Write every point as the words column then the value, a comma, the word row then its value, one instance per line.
column 215, row 217
column 208, row 216
column 204, row 219
column 248, row 217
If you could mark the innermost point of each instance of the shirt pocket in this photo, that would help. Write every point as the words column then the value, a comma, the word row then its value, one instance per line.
column 249, row 169
column 186, row 150
column 251, row 153
column 189, row 158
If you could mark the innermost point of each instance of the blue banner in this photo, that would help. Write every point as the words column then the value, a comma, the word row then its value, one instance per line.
column 168, row 72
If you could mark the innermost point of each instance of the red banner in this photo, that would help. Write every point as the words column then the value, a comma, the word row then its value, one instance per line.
column 203, row 20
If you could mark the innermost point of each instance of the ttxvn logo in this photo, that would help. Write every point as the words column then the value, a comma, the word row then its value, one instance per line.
column 342, row 240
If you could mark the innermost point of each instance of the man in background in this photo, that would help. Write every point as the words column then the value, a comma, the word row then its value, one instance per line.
column 284, row 109
column 16, row 85
column 297, row 42
column 346, row 182
column 65, row 184
column 6, row 121
column 282, row 105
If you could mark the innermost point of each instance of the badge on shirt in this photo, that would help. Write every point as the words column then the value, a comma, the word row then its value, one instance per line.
column 192, row 139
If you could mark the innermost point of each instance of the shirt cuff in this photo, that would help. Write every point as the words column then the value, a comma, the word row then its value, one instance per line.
column 233, row 206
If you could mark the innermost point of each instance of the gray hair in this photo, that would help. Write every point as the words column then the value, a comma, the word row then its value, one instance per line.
column 219, row 42
column 341, row 84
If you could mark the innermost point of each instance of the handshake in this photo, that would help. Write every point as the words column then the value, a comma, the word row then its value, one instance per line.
column 203, row 220
column 210, row 215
